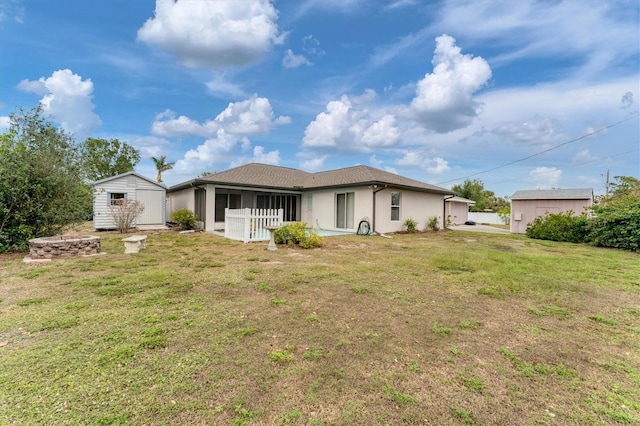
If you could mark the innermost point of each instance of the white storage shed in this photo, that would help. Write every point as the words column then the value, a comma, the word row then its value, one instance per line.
column 128, row 186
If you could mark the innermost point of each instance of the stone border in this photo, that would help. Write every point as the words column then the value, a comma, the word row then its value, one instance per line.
column 61, row 247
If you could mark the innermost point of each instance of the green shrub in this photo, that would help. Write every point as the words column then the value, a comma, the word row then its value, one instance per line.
column 617, row 223
column 297, row 233
column 185, row 218
column 560, row 227
column 41, row 185
column 411, row 226
column 433, row 223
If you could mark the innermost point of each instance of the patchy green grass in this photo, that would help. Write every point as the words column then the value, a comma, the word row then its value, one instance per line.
column 428, row 328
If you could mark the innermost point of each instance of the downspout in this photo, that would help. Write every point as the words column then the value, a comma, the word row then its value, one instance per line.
column 373, row 213
column 444, row 211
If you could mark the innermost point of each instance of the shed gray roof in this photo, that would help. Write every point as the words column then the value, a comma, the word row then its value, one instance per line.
column 128, row 174
column 554, row 194
column 276, row 177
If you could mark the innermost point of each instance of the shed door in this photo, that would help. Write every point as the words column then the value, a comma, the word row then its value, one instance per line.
column 153, row 202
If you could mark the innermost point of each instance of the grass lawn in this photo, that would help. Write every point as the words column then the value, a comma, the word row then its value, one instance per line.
column 434, row 328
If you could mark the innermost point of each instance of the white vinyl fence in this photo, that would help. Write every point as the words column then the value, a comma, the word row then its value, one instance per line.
column 250, row 224
column 490, row 218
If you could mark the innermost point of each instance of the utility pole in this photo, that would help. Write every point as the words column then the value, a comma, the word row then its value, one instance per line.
column 606, row 185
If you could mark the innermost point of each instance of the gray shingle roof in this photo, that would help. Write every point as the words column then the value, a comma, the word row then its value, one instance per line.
column 276, row 177
column 554, row 194
column 365, row 175
column 261, row 175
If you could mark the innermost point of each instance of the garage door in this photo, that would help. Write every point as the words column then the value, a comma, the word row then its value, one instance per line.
column 153, row 202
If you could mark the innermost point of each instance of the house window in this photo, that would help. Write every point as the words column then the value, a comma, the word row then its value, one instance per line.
column 117, row 198
column 395, row 206
column 345, row 203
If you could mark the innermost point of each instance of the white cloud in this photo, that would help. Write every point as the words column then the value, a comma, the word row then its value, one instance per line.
column 68, row 99
column 444, row 98
column 249, row 117
column 541, row 130
column 12, row 9
column 311, row 46
column 259, row 156
column 583, row 157
column 215, row 34
column 546, row 177
column 167, row 125
column 432, row 165
column 382, row 133
column 213, row 150
column 150, row 146
column 560, row 29
column 348, row 125
column 397, row 4
column 379, row 164
column 291, row 60
column 313, row 164
column 282, row 119
column 227, row 134
column 219, row 86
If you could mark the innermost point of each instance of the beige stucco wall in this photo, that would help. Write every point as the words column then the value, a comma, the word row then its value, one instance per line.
column 320, row 212
column 418, row 206
column 183, row 199
column 458, row 213
column 524, row 212
column 323, row 209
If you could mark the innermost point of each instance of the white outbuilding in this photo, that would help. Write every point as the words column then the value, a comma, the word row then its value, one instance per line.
column 128, row 186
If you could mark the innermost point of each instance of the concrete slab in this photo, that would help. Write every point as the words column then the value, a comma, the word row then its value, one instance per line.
column 151, row 227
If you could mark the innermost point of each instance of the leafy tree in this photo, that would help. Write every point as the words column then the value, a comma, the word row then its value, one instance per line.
column 625, row 185
column 616, row 220
column 41, row 186
column 162, row 166
column 485, row 199
column 101, row 158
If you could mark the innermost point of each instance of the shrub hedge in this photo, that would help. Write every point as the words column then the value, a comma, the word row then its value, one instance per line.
column 297, row 233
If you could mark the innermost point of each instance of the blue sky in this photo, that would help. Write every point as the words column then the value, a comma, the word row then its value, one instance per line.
column 434, row 90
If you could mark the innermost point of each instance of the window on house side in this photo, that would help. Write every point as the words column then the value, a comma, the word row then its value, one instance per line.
column 117, row 198
column 395, row 206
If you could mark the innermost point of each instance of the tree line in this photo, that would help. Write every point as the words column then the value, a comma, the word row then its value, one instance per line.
column 486, row 201
column 45, row 176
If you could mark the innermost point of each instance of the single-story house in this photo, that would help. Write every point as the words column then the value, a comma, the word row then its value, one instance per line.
column 457, row 209
column 335, row 200
column 128, row 186
column 528, row 204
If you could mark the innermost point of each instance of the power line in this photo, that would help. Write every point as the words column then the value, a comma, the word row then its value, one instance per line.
column 545, row 151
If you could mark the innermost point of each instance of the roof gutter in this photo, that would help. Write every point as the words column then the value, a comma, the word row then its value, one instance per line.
column 373, row 213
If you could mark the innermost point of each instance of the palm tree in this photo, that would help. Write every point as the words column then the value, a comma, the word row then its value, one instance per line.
column 162, row 166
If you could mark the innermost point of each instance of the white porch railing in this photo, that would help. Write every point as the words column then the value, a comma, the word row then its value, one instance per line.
column 250, row 224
